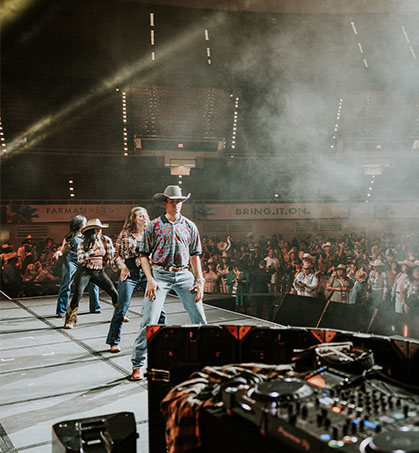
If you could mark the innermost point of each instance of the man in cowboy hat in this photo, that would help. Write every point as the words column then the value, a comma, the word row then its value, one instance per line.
column 377, row 283
column 306, row 282
column 170, row 243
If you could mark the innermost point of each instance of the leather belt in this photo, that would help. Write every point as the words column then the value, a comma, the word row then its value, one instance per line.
column 171, row 268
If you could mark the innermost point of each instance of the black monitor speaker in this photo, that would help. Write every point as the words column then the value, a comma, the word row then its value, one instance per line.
column 113, row 433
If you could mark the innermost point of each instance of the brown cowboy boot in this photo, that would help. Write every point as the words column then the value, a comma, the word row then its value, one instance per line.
column 70, row 318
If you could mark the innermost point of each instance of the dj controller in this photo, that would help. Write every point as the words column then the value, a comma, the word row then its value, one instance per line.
column 335, row 406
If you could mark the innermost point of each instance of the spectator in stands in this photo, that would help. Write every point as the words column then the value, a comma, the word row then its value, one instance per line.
column 409, row 290
column 11, row 278
column 359, row 292
column 377, row 284
column 306, row 282
column 339, row 286
column 212, row 278
column 323, row 275
column 398, row 282
column 238, row 284
column 93, row 253
column 23, row 251
column 259, row 289
column 70, row 266
column 127, row 259
column 223, row 269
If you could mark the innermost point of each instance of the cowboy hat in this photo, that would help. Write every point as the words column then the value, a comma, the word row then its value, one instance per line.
column 341, row 266
column 308, row 257
column 360, row 275
column 326, row 244
column 171, row 193
column 94, row 223
column 377, row 263
column 407, row 262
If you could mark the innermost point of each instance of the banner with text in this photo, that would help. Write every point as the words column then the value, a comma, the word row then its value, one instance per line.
column 270, row 211
column 20, row 213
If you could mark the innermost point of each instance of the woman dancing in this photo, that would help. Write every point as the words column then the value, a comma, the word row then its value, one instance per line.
column 128, row 261
column 93, row 253
column 70, row 266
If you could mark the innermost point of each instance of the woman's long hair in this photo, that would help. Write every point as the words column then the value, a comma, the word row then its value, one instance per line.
column 89, row 238
column 75, row 227
column 130, row 224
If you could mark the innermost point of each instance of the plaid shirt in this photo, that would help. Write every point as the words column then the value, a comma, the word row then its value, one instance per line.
column 180, row 407
column 171, row 244
column 84, row 256
column 125, row 248
column 377, row 281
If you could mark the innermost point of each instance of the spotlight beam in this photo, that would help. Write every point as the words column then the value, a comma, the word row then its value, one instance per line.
column 144, row 67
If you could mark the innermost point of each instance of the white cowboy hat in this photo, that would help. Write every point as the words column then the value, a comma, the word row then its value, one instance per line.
column 94, row 223
column 326, row 244
column 171, row 193
column 308, row 257
column 377, row 263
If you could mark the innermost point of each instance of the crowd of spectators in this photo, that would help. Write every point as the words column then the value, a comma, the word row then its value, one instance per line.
column 30, row 269
column 351, row 268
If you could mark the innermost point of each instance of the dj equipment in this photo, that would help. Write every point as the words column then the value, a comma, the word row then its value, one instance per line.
column 344, row 404
column 113, row 433
column 174, row 352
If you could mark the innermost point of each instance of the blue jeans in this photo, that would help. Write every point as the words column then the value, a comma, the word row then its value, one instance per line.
column 125, row 291
column 70, row 267
column 180, row 282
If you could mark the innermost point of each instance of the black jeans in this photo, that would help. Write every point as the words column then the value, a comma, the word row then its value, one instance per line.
column 82, row 279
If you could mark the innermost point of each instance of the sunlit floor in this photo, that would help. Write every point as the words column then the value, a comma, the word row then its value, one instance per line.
column 49, row 374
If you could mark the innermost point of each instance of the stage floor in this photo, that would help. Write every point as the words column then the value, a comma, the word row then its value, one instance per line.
column 49, row 374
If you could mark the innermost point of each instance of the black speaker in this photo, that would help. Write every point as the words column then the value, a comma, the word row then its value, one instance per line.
column 300, row 311
column 346, row 317
column 113, row 433
column 221, row 301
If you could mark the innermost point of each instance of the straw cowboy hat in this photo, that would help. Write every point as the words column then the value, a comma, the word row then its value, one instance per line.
column 377, row 263
column 326, row 244
column 341, row 266
column 94, row 223
column 171, row 193
column 360, row 275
